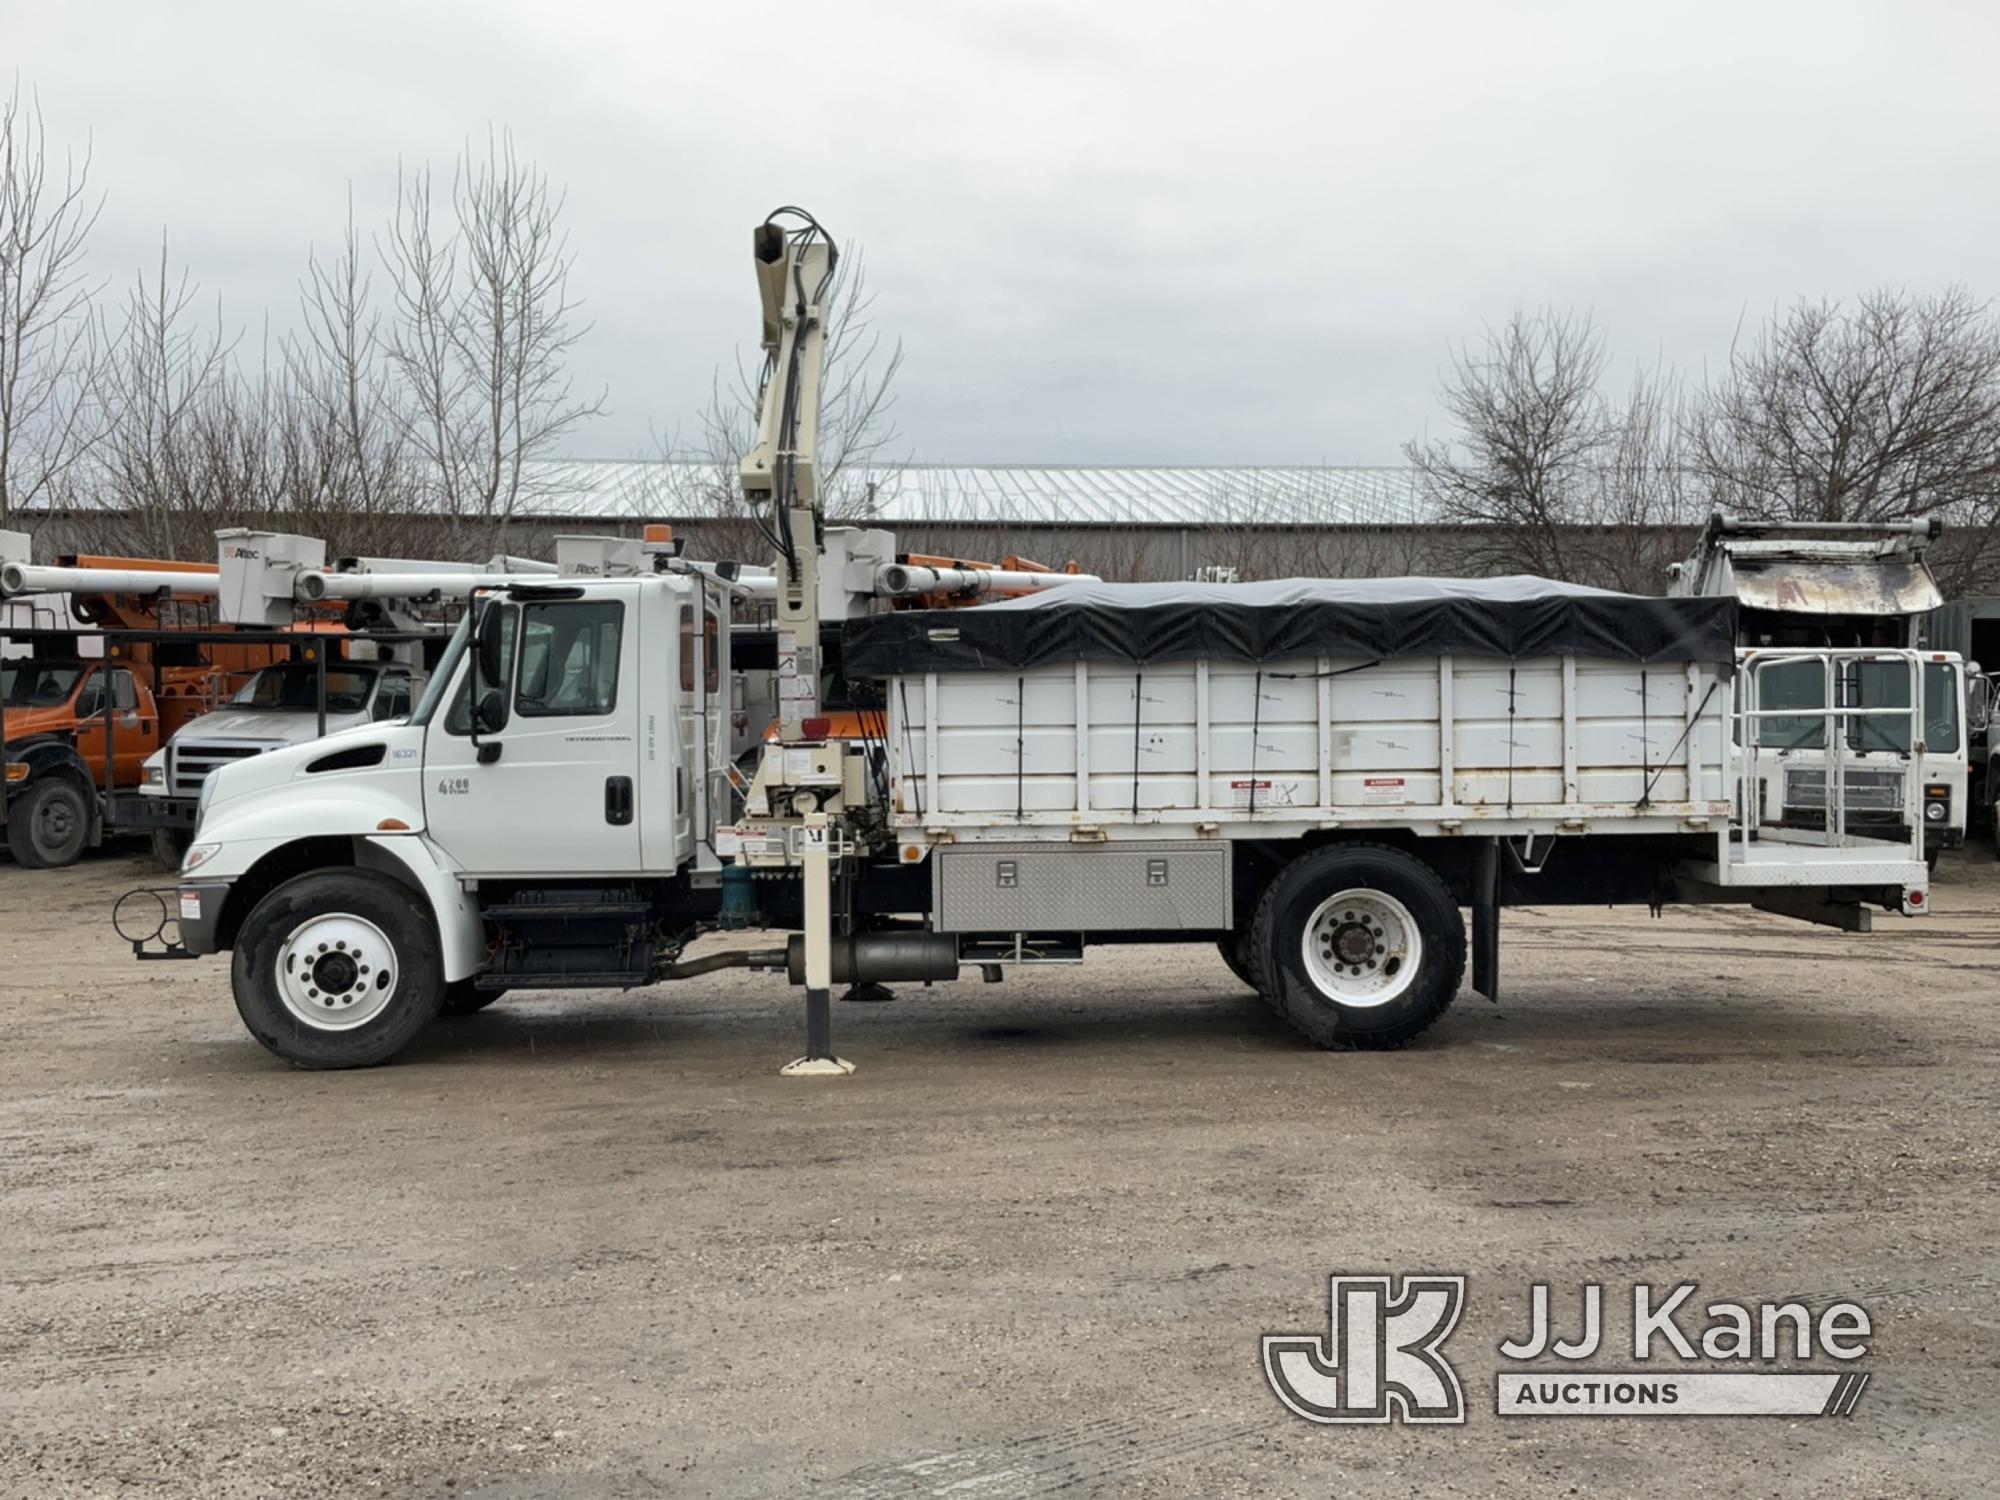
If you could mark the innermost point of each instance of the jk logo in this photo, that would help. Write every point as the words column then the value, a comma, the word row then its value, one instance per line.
column 1380, row 1361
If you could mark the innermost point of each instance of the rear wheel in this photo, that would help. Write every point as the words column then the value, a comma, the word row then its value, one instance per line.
column 337, row 969
column 1362, row 946
column 48, row 824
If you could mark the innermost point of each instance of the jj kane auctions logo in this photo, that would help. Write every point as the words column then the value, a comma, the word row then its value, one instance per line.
column 1382, row 1358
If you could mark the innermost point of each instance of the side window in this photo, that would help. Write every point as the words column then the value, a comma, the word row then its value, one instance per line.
column 392, row 701
column 91, row 700
column 124, row 692
column 569, row 659
column 711, row 673
column 1797, row 684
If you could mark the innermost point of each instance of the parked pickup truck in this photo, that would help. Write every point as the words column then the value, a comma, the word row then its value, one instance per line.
column 278, row 707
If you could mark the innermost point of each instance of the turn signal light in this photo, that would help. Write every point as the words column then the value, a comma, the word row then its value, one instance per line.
column 17, row 770
column 392, row 825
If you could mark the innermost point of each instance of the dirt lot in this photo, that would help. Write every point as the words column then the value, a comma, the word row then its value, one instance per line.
column 597, row 1247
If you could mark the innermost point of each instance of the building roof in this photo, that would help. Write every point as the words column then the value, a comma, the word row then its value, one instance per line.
column 1004, row 494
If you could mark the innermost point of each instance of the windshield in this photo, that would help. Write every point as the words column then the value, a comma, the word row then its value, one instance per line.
column 441, row 678
column 294, row 688
column 39, row 684
column 1866, row 685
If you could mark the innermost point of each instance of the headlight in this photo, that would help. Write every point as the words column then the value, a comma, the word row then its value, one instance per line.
column 154, row 776
column 197, row 856
column 1936, row 811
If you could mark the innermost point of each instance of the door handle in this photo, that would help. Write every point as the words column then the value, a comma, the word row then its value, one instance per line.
column 618, row 800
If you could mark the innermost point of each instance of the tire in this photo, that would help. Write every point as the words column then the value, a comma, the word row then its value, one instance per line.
column 1390, row 902
column 48, row 825
column 463, row 998
column 170, row 846
column 337, row 969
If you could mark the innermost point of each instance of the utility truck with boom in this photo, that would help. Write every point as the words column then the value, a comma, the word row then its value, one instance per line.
column 1314, row 776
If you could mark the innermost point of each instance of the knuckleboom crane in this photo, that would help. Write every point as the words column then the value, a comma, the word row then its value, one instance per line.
column 796, row 259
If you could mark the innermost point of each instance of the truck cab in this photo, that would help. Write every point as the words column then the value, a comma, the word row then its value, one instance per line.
column 1842, row 587
column 74, row 728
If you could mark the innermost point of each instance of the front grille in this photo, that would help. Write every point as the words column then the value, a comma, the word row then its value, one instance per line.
column 188, row 765
column 1867, row 791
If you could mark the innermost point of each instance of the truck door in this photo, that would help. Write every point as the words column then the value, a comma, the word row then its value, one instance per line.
column 134, row 731
column 553, row 789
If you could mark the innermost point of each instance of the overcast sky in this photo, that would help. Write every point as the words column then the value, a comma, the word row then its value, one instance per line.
column 1106, row 232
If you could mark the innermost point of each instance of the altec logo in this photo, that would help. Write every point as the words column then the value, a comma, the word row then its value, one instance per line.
column 1382, row 1359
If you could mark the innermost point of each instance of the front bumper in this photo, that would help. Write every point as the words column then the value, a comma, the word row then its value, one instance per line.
column 130, row 810
column 200, row 914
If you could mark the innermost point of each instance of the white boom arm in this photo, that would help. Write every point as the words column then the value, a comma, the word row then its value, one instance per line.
column 33, row 578
column 781, row 473
column 901, row 579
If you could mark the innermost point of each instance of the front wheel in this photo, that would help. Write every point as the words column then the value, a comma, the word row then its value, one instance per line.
column 48, row 824
column 337, row 969
column 1363, row 945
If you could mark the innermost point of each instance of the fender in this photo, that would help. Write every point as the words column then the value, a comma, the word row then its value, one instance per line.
column 47, row 755
column 42, row 753
column 461, row 935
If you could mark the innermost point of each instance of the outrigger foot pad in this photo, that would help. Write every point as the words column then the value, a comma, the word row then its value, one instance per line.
column 868, row 994
column 817, row 1067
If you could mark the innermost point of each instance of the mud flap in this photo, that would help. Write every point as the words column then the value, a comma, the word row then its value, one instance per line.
column 1486, row 919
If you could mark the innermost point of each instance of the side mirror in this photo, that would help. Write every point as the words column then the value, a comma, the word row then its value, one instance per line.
column 490, row 712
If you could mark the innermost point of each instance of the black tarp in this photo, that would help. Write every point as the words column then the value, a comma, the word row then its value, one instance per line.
column 1372, row 618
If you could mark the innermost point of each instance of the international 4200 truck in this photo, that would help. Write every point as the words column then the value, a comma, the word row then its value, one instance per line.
column 1318, row 777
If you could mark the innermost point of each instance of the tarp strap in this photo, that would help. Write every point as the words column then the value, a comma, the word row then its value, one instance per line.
column 1646, row 797
column 1020, row 746
column 1138, row 712
column 1256, row 724
column 1645, row 743
column 916, row 781
column 1511, row 669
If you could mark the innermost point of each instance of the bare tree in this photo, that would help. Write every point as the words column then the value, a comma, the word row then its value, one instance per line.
column 353, row 450
column 50, row 351
column 1545, row 474
column 166, row 367
column 484, row 323
column 1882, row 410
column 1532, row 430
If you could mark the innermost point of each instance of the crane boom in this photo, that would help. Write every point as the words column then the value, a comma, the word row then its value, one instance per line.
column 781, row 475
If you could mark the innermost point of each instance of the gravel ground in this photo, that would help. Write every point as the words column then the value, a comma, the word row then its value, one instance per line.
column 595, row 1246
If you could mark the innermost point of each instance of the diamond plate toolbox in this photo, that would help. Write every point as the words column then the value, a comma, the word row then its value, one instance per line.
column 1087, row 888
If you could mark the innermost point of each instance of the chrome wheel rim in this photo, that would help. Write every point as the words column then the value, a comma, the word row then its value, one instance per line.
column 1361, row 948
column 336, row 972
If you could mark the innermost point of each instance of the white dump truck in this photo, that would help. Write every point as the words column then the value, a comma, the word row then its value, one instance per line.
column 1845, row 585
column 1318, row 777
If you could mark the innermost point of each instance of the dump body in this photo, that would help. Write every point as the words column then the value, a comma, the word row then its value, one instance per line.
column 1453, row 743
